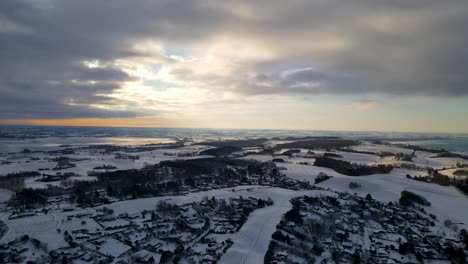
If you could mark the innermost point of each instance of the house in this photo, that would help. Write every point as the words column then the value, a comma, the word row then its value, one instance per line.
column 68, row 209
column 347, row 245
column 144, row 256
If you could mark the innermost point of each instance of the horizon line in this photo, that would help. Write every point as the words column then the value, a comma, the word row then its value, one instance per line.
column 259, row 129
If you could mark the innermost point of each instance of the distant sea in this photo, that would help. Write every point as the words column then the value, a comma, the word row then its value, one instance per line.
column 457, row 145
column 11, row 133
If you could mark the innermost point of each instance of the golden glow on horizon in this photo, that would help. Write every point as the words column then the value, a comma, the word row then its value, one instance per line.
column 294, row 124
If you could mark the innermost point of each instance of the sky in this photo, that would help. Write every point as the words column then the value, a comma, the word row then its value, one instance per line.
column 299, row 64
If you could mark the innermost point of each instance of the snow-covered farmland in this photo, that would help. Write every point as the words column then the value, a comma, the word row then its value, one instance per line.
column 447, row 202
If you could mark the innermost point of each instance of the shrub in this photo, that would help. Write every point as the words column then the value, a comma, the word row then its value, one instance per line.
column 321, row 177
column 408, row 198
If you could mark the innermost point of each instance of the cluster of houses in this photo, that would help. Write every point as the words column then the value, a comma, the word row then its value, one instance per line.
column 180, row 154
column 167, row 232
column 234, row 176
column 125, row 156
column 23, row 250
column 224, row 217
column 347, row 228
column 77, row 254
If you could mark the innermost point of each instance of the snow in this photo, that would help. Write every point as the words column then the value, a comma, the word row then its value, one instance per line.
column 446, row 201
column 449, row 172
column 252, row 240
column 84, row 159
column 111, row 247
column 368, row 147
column 8, row 145
column 33, row 183
column 5, row 195
column 76, row 224
column 115, row 223
column 422, row 159
column 306, row 172
column 138, row 205
column 42, row 227
column 358, row 158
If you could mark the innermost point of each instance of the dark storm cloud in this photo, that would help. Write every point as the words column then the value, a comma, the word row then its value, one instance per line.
column 391, row 47
column 344, row 47
column 43, row 43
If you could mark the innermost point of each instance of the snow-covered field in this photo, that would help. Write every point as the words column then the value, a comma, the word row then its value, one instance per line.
column 450, row 172
column 8, row 145
column 85, row 160
column 251, row 242
column 447, row 202
column 42, row 227
column 422, row 159
column 369, row 147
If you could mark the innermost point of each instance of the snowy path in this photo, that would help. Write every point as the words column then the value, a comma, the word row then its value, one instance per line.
column 252, row 240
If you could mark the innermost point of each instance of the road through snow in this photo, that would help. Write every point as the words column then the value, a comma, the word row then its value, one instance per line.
column 252, row 240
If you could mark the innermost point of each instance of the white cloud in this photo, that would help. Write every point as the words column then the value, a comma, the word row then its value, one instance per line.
column 233, row 52
column 364, row 105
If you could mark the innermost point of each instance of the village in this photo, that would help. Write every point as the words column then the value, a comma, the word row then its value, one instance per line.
column 167, row 232
column 346, row 228
column 177, row 203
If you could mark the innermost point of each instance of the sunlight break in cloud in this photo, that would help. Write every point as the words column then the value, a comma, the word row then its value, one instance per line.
column 363, row 105
column 176, row 58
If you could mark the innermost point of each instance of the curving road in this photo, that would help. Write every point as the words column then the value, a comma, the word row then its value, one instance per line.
column 252, row 240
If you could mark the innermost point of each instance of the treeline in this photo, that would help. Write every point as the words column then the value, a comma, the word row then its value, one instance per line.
column 461, row 173
column 433, row 176
column 290, row 152
column 462, row 185
column 436, row 177
column 306, row 138
column 359, row 151
column 319, row 144
column 196, row 167
column 23, row 174
column 105, row 167
column 351, row 169
column 105, row 148
column 243, row 143
column 221, row 151
column 167, row 177
column 450, row 155
column 29, row 198
column 419, row 148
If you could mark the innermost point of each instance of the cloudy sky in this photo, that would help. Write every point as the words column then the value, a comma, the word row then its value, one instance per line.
column 299, row 64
